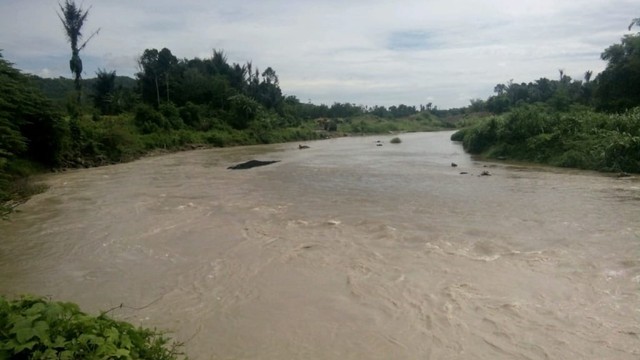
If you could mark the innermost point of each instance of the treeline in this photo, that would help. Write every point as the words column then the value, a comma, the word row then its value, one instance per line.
column 200, row 94
column 203, row 94
column 590, row 123
column 211, row 83
column 615, row 89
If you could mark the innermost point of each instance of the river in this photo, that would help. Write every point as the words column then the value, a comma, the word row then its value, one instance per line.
column 345, row 250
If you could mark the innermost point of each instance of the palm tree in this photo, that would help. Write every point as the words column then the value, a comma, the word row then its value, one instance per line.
column 587, row 76
column 635, row 22
column 73, row 18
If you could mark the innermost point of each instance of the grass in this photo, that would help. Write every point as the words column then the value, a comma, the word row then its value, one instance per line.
column 579, row 139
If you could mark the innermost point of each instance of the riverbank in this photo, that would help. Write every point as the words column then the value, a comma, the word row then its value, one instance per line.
column 110, row 140
column 582, row 139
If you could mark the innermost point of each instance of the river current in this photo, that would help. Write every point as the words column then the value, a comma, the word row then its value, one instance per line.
column 345, row 250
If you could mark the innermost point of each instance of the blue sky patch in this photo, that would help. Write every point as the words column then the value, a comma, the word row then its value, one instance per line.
column 411, row 40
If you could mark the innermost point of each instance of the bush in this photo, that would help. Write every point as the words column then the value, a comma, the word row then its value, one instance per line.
column 623, row 154
column 172, row 116
column 190, row 114
column 148, row 120
column 480, row 137
column 35, row 328
column 243, row 110
column 458, row 135
column 396, row 140
column 118, row 141
column 523, row 123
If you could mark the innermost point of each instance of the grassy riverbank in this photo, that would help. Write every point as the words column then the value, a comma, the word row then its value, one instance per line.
column 579, row 138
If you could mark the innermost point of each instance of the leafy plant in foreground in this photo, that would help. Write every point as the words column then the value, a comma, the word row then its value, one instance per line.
column 35, row 328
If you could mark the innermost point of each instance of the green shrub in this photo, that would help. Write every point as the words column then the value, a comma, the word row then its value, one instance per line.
column 148, row 120
column 458, row 135
column 190, row 114
column 35, row 328
column 573, row 159
column 118, row 141
column 172, row 116
column 480, row 137
column 217, row 139
column 623, row 153
column 243, row 110
column 523, row 123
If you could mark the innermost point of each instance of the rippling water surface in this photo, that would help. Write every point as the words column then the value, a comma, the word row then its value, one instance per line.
column 346, row 250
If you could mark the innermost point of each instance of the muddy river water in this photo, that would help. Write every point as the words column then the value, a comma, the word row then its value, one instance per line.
column 345, row 250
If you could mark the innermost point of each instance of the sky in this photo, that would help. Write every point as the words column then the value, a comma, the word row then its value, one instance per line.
column 365, row 52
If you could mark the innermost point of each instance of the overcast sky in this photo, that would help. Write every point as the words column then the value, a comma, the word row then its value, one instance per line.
column 361, row 51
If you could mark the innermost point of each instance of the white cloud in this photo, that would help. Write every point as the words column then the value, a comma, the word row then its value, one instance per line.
column 333, row 50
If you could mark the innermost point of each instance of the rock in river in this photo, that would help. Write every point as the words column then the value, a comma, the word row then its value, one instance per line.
column 251, row 164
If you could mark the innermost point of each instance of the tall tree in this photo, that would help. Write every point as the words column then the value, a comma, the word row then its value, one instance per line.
column 155, row 67
column 587, row 76
column 12, row 142
column 29, row 125
column 73, row 18
column 619, row 84
column 103, row 90
column 219, row 63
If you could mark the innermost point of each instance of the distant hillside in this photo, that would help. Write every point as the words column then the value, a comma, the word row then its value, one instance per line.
column 59, row 89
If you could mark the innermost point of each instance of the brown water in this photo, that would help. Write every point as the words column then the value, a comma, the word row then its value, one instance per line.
column 345, row 250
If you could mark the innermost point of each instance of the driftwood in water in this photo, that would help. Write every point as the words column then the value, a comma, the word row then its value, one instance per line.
column 251, row 164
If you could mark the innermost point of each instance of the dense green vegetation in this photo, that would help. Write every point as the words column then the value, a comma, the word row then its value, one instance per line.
column 580, row 138
column 31, row 133
column 36, row 328
column 583, row 124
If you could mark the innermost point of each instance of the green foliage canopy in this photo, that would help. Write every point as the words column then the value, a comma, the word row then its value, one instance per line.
column 103, row 91
column 29, row 125
column 619, row 84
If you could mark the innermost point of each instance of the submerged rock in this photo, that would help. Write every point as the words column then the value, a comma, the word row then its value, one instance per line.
column 251, row 164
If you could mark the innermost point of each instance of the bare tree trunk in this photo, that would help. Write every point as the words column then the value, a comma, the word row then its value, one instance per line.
column 157, row 90
column 167, row 78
